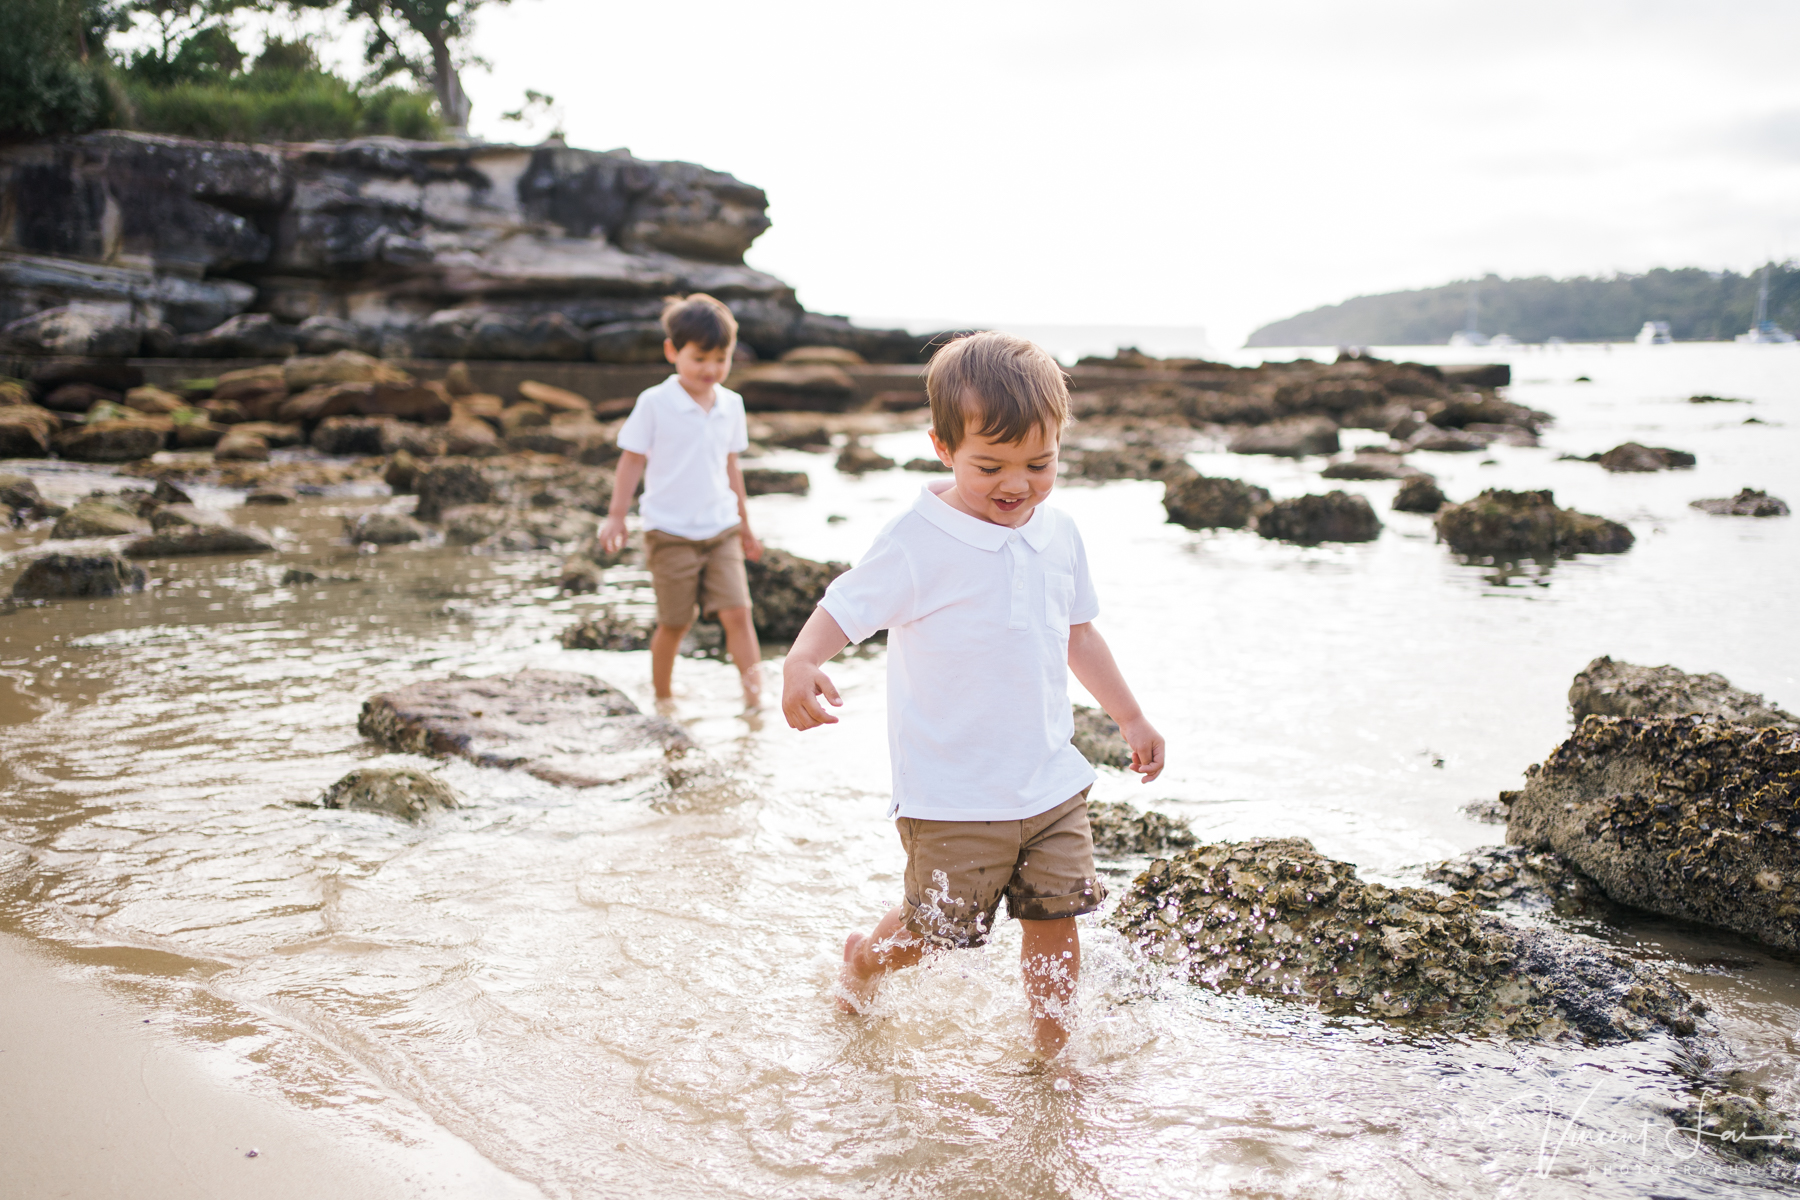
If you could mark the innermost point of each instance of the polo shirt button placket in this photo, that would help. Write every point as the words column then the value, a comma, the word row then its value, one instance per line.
column 1016, row 611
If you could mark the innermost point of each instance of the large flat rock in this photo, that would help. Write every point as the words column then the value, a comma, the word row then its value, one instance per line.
column 568, row 729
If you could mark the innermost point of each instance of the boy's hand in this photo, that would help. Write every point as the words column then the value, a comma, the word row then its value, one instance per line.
column 612, row 534
column 1147, row 749
column 752, row 547
column 801, row 686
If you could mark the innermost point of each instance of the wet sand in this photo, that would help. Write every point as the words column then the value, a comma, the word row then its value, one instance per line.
column 96, row 1101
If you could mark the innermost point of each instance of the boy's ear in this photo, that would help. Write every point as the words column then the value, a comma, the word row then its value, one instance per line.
column 669, row 349
column 943, row 452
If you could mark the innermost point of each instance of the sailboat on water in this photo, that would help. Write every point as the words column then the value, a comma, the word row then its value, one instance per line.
column 1762, row 330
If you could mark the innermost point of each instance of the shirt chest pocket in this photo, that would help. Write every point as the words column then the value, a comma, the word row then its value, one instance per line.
column 1059, row 599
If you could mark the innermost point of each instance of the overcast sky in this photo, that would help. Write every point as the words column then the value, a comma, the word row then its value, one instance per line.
column 1188, row 163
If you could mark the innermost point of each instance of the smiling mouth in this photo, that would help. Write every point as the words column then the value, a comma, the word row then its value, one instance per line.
column 1009, row 505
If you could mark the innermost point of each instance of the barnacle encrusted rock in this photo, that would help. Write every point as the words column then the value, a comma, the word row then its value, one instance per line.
column 1690, row 816
column 1618, row 689
column 1272, row 916
column 401, row 792
column 1098, row 738
column 1523, row 524
column 606, row 630
column 1119, row 830
column 1529, row 880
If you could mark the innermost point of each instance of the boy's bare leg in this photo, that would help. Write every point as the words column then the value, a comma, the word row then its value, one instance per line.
column 1051, row 957
column 869, row 956
column 665, row 643
column 746, row 654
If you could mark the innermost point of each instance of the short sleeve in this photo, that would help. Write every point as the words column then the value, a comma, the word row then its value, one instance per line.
column 877, row 593
column 1087, row 601
column 639, row 429
column 740, row 430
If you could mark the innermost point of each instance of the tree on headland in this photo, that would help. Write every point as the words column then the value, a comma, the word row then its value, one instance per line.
column 424, row 39
column 53, row 67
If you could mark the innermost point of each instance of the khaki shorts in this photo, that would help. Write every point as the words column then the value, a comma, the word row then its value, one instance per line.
column 957, row 872
column 686, row 573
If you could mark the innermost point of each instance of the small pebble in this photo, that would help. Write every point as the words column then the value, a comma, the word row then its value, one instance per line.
column 251, row 1153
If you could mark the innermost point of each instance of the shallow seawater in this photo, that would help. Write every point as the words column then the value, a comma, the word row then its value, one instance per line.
column 614, row 993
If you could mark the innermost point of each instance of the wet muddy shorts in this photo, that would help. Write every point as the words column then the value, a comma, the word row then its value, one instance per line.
column 708, row 573
column 958, row 871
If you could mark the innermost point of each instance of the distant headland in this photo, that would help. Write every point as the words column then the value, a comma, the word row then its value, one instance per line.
column 1698, row 305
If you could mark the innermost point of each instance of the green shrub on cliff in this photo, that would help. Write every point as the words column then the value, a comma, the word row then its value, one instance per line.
column 284, row 96
column 54, row 76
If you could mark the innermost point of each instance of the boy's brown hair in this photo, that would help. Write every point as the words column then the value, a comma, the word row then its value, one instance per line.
column 701, row 319
column 1007, row 385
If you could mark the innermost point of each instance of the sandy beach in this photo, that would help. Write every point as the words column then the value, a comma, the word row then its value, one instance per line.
column 97, row 1101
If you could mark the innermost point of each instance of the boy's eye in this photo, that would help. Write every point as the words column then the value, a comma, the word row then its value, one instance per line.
column 1038, row 466
column 990, row 470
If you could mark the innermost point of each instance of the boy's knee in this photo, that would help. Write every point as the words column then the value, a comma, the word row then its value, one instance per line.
column 675, row 631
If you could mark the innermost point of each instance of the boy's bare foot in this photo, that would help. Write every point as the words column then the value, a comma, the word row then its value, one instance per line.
column 753, row 693
column 665, row 706
column 853, row 989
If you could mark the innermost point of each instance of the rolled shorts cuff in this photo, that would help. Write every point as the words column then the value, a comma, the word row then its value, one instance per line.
column 934, row 928
column 1053, row 908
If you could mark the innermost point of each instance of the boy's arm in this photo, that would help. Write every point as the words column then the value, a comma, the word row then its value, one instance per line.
column 625, row 481
column 802, row 679
column 1092, row 661
column 752, row 547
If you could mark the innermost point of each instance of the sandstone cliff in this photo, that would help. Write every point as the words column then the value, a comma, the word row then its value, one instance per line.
column 118, row 244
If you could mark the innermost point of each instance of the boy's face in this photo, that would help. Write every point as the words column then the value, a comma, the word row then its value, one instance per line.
column 698, row 368
column 1000, row 481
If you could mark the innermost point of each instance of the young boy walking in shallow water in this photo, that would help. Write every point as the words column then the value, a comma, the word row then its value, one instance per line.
column 683, row 439
column 988, row 602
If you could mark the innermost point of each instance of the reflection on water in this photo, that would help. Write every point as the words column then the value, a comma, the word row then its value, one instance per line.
column 611, row 995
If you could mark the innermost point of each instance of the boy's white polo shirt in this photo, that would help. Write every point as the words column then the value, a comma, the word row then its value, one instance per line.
column 686, row 492
column 978, row 620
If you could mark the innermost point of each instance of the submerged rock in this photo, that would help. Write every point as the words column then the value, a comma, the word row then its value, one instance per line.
column 443, row 486
column 761, row 481
column 1502, row 524
column 399, row 792
column 1631, row 456
column 1272, row 916
column 198, row 539
column 1371, row 464
column 1289, row 439
column 1738, row 1125
column 784, row 590
column 567, row 729
column 1512, row 876
column 1098, row 738
column 1200, row 502
column 386, row 529
column 77, row 576
column 606, row 630
column 1688, row 816
column 858, row 459
column 1747, row 503
column 1120, row 830
column 1419, row 494
column 1309, row 520
column 100, row 516
column 580, row 576
column 1615, row 689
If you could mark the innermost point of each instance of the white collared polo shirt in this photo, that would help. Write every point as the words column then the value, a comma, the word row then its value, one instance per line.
column 686, row 491
column 978, row 620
